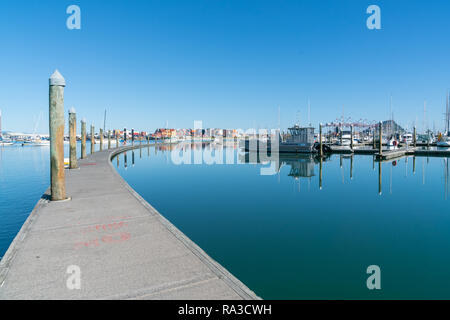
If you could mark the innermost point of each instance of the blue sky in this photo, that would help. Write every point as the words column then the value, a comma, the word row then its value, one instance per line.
column 229, row 63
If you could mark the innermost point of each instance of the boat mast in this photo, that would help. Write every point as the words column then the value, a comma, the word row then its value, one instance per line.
column 447, row 115
column 104, row 122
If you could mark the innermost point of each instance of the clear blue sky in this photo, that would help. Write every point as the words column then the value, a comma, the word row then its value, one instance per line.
column 229, row 63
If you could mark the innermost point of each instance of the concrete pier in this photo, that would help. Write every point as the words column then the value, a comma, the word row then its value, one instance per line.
column 124, row 248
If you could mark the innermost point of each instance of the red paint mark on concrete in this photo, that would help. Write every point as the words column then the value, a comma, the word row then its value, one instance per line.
column 106, row 239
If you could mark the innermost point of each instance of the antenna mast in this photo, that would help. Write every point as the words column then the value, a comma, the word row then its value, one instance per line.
column 104, row 122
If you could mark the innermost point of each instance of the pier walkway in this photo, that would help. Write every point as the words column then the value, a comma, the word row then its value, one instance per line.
column 123, row 247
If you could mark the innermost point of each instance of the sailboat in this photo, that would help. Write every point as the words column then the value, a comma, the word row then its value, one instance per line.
column 5, row 142
column 444, row 138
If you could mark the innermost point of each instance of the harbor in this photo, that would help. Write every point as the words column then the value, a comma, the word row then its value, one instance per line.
column 234, row 159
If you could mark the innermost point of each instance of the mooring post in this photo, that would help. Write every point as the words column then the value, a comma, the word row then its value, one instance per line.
column 56, row 130
column 92, row 139
column 117, row 139
column 373, row 138
column 320, row 140
column 414, row 137
column 72, row 139
column 124, row 135
column 381, row 139
column 109, row 139
column 132, row 136
column 101, row 139
column 83, row 138
column 351, row 137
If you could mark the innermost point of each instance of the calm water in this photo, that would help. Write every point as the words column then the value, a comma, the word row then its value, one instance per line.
column 24, row 177
column 285, row 237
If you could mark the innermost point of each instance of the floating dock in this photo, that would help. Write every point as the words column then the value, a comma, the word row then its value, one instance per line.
column 124, row 248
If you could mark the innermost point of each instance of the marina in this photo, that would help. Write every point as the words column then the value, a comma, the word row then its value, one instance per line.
column 227, row 156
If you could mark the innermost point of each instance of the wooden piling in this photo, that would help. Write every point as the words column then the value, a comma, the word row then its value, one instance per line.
column 380, row 144
column 92, row 139
column 373, row 138
column 56, row 130
column 320, row 141
column 101, row 139
column 83, row 139
column 351, row 137
column 72, row 139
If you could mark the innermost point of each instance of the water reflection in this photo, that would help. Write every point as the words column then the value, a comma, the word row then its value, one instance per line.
column 300, row 166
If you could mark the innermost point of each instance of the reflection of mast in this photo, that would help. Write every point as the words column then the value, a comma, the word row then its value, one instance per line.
column 379, row 178
column 423, row 171
column 445, row 178
column 390, row 180
column 406, row 166
column 320, row 174
column 351, row 167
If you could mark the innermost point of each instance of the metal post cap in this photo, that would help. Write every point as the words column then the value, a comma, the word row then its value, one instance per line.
column 56, row 79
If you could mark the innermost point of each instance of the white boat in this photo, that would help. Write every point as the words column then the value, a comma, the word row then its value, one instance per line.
column 172, row 140
column 407, row 138
column 36, row 142
column 392, row 143
column 443, row 140
column 346, row 139
column 344, row 142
